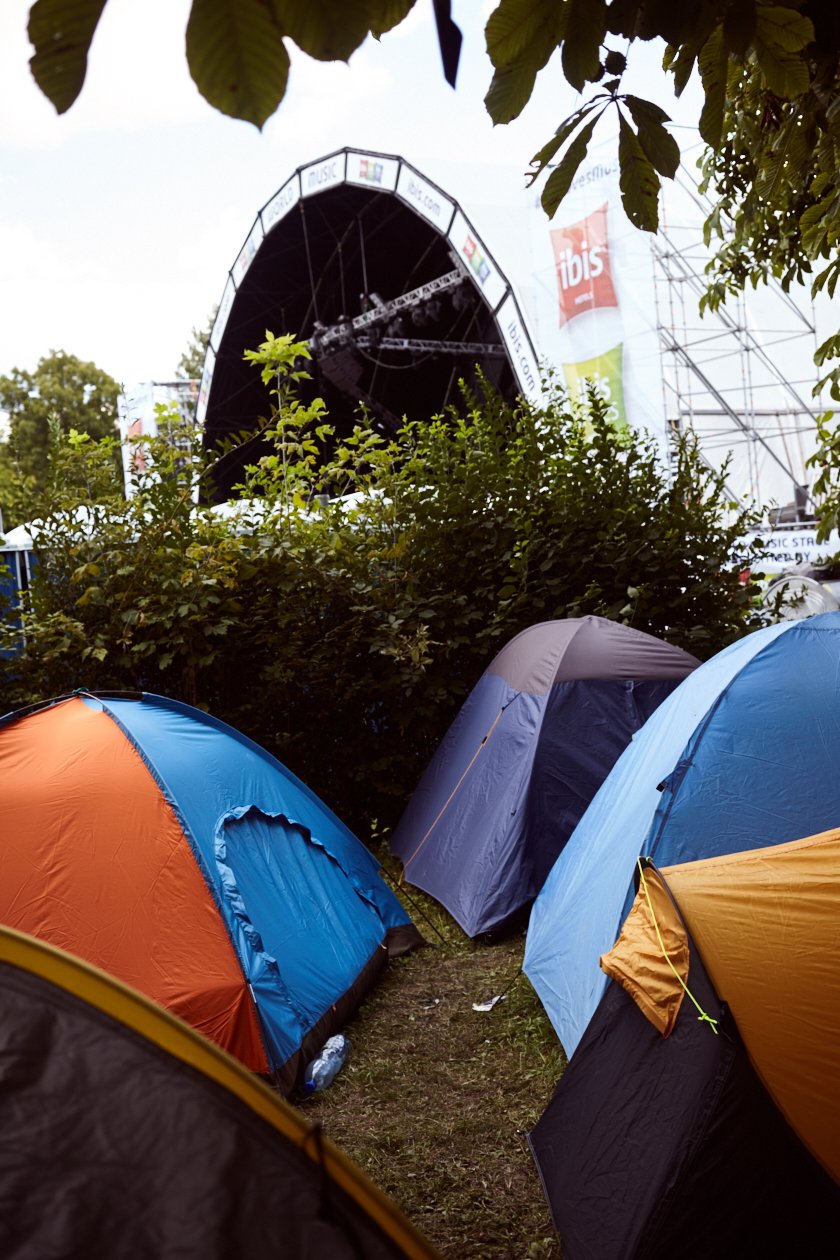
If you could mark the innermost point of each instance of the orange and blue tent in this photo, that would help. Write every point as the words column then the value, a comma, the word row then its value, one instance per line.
column 163, row 846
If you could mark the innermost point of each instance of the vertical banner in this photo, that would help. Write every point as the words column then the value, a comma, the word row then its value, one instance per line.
column 605, row 373
column 582, row 263
column 592, row 297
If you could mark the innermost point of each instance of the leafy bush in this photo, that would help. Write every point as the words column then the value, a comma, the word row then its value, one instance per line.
column 342, row 609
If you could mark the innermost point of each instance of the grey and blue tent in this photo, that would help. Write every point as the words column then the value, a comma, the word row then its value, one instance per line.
column 743, row 754
column 525, row 755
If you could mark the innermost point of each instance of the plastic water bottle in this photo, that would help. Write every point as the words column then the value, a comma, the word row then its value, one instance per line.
column 323, row 1070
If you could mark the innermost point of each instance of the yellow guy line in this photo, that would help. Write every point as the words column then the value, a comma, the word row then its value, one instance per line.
column 703, row 1015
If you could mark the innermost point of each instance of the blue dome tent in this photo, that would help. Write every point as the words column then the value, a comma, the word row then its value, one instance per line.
column 742, row 754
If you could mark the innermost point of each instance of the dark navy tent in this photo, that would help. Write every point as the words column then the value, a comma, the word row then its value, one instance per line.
column 530, row 747
column 663, row 1138
column 165, row 847
column 128, row 1136
column 744, row 753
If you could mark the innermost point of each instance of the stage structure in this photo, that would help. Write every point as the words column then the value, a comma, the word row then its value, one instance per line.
column 399, row 297
column 386, row 278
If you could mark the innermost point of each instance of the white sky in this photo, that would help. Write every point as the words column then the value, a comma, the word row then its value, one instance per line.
column 119, row 220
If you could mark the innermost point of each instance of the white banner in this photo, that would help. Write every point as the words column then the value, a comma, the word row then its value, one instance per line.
column 248, row 251
column 204, row 387
column 222, row 314
column 425, row 198
column 796, row 546
column 593, row 303
column 371, row 170
column 281, row 203
column 474, row 255
column 521, row 351
column 321, row 175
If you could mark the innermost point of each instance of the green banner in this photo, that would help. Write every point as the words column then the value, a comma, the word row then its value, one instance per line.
column 606, row 373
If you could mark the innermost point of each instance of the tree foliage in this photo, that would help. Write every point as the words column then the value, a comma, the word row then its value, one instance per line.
column 191, row 363
column 239, row 57
column 770, row 118
column 769, row 71
column 237, row 50
column 62, row 393
column 343, row 608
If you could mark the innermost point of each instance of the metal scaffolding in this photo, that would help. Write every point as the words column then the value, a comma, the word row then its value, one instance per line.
column 740, row 377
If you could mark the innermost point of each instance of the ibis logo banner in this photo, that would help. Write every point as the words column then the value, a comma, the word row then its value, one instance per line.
column 606, row 374
column 582, row 263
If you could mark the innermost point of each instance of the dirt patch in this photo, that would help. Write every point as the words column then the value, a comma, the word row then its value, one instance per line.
column 436, row 1099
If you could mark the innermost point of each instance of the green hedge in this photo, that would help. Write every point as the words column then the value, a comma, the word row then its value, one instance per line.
column 342, row 617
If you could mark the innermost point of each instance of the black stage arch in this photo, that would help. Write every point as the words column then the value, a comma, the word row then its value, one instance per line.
column 386, row 278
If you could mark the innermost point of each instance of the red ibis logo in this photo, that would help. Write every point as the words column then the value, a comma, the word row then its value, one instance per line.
column 582, row 263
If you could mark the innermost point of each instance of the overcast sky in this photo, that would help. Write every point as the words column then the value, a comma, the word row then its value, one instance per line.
column 119, row 220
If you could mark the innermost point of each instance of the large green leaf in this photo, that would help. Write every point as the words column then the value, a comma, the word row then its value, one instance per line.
column 786, row 161
column 585, row 31
column 783, row 27
column 386, row 14
column 680, row 62
column 659, row 145
column 638, row 181
column 560, row 179
column 675, row 21
column 325, row 30
column 513, row 82
column 516, row 26
column 541, row 159
column 622, row 16
column 786, row 74
column 779, row 37
column 61, row 32
column 510, row 91
column 237, row 57
column 739, row 24
column 714, row 64
column 649, row 111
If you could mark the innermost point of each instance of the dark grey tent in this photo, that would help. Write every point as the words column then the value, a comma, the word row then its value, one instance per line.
column 127, row 1134
column 529, row 749
column 663, row 1138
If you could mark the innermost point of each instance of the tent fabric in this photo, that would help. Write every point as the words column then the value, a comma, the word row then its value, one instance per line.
column 522, row 760
column 650, row 958
column 654, row 1147
column 586, row 647
column 166, row 848
column 742, row 754
column 767, row 923
column 128, row 1135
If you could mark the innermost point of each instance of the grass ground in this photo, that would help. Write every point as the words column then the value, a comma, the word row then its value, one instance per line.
column 436, row 1098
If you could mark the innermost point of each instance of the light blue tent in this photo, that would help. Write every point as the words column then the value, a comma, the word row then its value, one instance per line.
column 744, row 753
